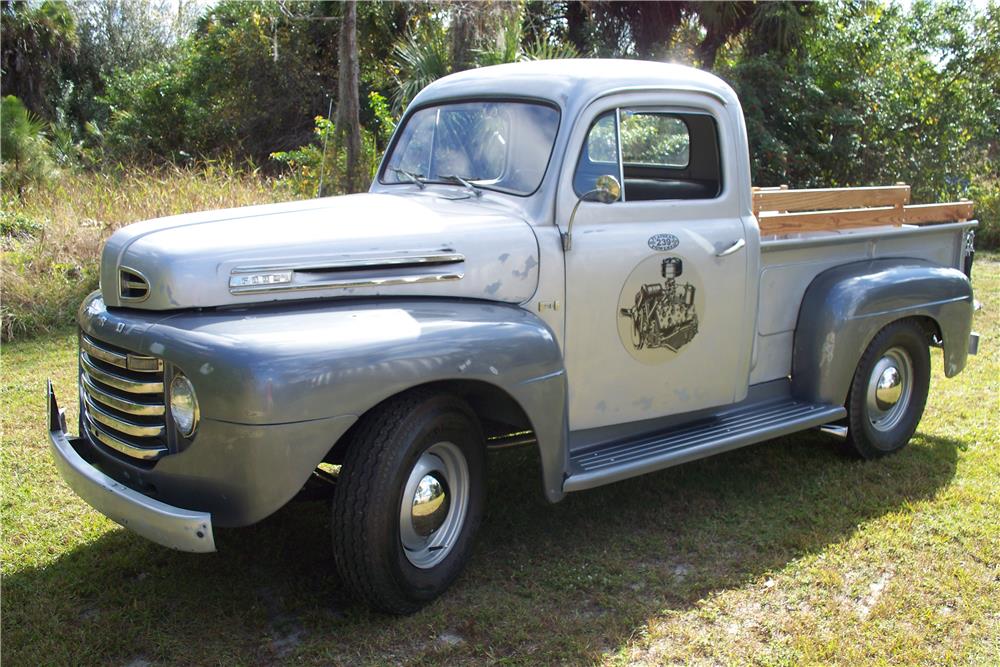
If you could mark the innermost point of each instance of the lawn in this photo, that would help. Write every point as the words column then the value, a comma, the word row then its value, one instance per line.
column 782, row 553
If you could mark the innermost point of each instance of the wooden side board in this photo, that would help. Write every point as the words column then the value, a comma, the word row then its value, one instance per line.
column 812, row 199
column 853, row 218
column 818, row 221
column 921, row 214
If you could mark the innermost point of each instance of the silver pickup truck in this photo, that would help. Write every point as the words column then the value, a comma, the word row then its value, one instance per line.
column 566, row 255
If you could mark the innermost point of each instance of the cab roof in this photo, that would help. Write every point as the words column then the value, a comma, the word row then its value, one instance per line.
column 572, row 83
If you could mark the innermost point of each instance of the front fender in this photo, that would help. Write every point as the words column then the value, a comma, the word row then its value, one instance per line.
column 846, row 306
column 309, row 361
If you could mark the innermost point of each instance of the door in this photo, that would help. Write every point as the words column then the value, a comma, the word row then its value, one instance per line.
column 656, row 322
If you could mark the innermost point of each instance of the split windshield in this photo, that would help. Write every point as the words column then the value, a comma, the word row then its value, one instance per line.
column 502, row 146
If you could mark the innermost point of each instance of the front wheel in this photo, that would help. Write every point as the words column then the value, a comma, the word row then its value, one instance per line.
column 889, row 390
column 409, row 499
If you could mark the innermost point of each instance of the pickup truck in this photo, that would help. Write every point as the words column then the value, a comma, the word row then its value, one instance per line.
column 565, row 255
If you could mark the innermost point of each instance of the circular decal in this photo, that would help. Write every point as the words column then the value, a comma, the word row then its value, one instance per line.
column 663, row 242
column 658, row 309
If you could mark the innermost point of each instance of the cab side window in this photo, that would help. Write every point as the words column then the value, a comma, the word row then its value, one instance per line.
column 663, row 155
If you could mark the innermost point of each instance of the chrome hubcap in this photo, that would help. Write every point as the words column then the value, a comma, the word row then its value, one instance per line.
column 430, row 505
column 434, row 504
column 889, row 389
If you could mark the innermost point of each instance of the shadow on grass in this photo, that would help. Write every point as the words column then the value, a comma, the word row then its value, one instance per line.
column 562, row 582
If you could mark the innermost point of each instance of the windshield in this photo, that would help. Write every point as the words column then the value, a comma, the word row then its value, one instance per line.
column 501, row 146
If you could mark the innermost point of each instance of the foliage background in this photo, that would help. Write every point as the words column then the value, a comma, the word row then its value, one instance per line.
column 101, row 94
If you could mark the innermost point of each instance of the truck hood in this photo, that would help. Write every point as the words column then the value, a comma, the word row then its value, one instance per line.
column 351, row 246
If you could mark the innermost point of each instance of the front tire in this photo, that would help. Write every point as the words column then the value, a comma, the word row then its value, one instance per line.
column 889, row 391
column 408, row 501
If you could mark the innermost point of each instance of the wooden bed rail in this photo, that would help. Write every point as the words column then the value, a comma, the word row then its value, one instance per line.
column 784, row 211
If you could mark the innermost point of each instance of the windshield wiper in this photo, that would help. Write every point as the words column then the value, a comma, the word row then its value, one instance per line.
column 465, row 183
column 410, row 176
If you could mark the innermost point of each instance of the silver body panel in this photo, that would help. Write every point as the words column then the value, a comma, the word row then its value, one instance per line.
column 337, row 247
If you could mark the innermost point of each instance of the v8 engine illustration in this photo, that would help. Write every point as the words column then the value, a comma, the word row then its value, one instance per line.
column 664, row 315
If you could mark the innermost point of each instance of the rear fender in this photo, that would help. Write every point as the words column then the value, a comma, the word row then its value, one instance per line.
column 846, row 306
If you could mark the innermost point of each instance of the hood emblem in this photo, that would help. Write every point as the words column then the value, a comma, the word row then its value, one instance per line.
column 663, row 242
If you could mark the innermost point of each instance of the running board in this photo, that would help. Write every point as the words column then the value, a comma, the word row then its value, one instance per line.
column 618, row 460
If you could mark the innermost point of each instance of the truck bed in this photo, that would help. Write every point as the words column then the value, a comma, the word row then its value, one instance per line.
column 805, row 232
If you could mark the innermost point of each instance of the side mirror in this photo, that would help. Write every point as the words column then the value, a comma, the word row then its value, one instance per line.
column 607, row 190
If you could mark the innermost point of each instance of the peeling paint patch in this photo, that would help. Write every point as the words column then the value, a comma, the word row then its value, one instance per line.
column 644, row 403
column 504, row 257
column 829, row 345
column 529, row 264
column 492, row 288
column 465, row 365
column 601, row 407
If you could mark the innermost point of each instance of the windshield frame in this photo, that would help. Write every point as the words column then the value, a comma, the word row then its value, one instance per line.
column 446, row 101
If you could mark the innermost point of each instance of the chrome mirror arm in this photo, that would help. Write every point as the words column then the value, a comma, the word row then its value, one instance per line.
column 607, row 191
column 567, row 236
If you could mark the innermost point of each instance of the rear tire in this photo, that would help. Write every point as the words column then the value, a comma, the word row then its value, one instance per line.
column 889, row 391
column 408, row 501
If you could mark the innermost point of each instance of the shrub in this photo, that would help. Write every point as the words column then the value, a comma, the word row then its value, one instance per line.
column 986, row 195
column 309, row 175
column 24, row 149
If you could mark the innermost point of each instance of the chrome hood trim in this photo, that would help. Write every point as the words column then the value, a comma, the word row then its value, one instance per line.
column 382, row 271
column 357, row 245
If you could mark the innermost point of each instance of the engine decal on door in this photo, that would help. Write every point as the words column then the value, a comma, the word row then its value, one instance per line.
column 657, row 312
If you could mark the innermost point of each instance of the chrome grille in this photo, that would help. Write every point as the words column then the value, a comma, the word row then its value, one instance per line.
column 121, row 400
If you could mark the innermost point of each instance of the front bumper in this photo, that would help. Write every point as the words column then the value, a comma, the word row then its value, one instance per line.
column 174, row 527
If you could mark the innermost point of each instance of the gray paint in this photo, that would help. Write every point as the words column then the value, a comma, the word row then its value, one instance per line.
column 845, row 307
column 301, row 364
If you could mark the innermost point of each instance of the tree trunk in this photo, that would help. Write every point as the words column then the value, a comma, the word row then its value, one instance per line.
column 463, row 33
column 348, row 123
column 577, row 17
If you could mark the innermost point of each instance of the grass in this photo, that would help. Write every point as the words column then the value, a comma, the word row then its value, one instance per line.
column 52, row 236
column 782, row 553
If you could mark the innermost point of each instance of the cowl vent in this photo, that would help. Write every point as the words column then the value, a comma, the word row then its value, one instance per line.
column 132, row 285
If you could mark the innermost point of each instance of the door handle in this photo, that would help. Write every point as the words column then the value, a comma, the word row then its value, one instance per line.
column 736, row 246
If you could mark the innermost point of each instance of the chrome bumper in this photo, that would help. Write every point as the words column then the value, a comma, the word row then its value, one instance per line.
column 174, row 527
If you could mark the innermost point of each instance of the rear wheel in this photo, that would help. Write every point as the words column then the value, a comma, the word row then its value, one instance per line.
column 409, row 499
column 889, row 390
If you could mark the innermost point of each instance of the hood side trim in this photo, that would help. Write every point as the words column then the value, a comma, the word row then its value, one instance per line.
column 395, row 261
column 352, row 283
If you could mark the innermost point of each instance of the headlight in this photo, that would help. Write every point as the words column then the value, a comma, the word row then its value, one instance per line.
column 183, row 405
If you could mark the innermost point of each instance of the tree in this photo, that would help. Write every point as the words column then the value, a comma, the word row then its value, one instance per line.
column 25, row 150
column 36, row 40
column 348, row 123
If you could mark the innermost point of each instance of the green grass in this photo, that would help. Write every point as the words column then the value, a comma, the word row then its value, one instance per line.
column 782, row 553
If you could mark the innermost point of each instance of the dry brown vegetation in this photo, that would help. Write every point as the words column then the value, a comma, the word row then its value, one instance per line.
column 52, row 236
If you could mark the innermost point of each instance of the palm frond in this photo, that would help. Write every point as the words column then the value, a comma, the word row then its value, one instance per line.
column 419, row 62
